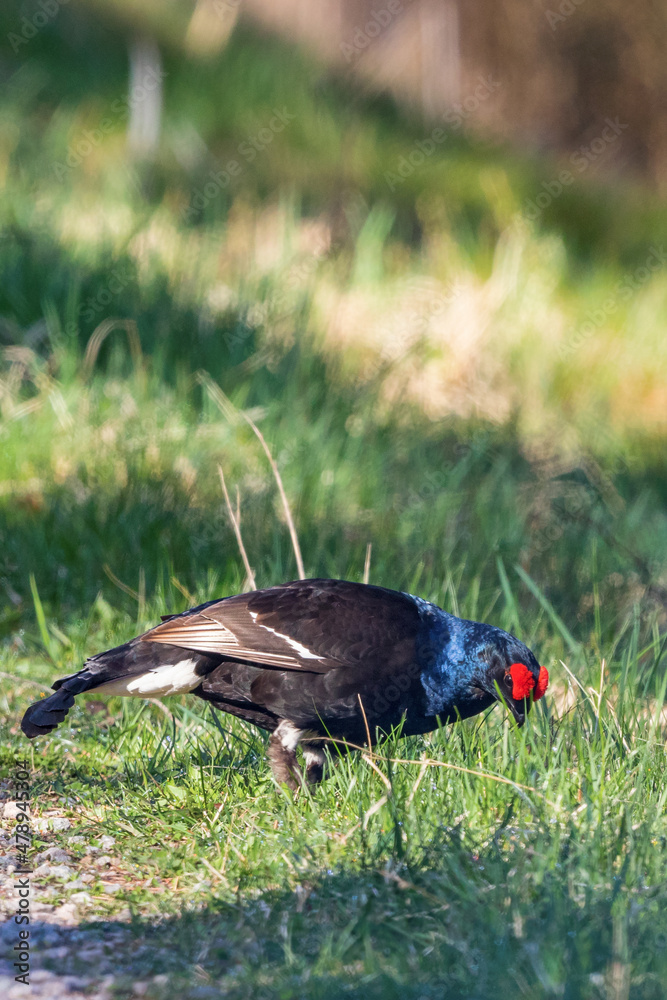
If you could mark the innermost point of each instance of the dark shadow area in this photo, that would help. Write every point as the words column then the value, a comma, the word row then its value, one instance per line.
column 413, row 934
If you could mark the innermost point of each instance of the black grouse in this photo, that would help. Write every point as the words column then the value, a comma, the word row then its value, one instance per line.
column 314, row 661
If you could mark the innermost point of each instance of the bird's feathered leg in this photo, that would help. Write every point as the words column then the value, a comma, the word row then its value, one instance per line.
column 315, row 759
column 282, row 756
column 284, row 763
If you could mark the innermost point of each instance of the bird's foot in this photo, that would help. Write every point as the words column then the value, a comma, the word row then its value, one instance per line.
column 284, row 764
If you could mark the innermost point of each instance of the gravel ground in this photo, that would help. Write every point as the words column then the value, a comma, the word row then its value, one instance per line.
column 73, row 953
column 57, row 942
column 82, row 942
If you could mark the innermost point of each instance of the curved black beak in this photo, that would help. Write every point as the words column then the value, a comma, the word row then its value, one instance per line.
column 517, row 709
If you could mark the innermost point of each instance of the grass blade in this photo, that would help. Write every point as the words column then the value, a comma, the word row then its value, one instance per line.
column 41, row 620
column 571, row 642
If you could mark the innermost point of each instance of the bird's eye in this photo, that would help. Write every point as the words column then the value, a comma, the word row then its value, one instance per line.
column 508, row 679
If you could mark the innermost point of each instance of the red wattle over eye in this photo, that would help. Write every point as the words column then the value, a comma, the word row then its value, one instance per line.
column 542, row 684
column 523, row 681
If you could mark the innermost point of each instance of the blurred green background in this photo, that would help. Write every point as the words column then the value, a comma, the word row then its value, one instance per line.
column 424, row 248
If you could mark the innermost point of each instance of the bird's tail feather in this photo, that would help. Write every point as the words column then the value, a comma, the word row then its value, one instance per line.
column 45, row 715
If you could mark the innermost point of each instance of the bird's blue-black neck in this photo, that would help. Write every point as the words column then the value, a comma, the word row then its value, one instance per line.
column 450, row 653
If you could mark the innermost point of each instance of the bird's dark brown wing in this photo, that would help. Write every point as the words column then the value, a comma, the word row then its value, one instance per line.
column 308, row 625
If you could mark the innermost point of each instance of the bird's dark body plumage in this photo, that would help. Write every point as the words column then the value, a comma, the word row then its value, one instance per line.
column 310, row 661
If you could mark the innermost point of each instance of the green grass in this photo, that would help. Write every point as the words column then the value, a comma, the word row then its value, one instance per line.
column 504, row 479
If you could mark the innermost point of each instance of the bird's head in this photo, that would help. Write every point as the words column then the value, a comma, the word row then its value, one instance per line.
column 507, row 671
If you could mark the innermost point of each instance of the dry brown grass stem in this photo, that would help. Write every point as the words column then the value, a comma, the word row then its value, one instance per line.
column 119, row 583
column 383, row 777
column 24, row 681
column 214, row 871
column 367, row 562
column 237, row 531
column 370, row 758
column 100, row 334
column 228, row 409
column 368, row 732
column 283, row 496
column 190, row 598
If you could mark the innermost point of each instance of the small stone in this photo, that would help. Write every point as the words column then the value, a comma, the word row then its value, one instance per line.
column 140, row 989
column 111, row 887
column 14, row 992
column 63, row 872
column 75, row 884
column 59, row 823
column 40, row 975
column 107, row 842
column 43, row 871
column 42, row 908
column 81, row 898
column 76, row 839
column 104, row 988
column 105, row 859
column 66, row 913
column 50, row 892
column 53, row 854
